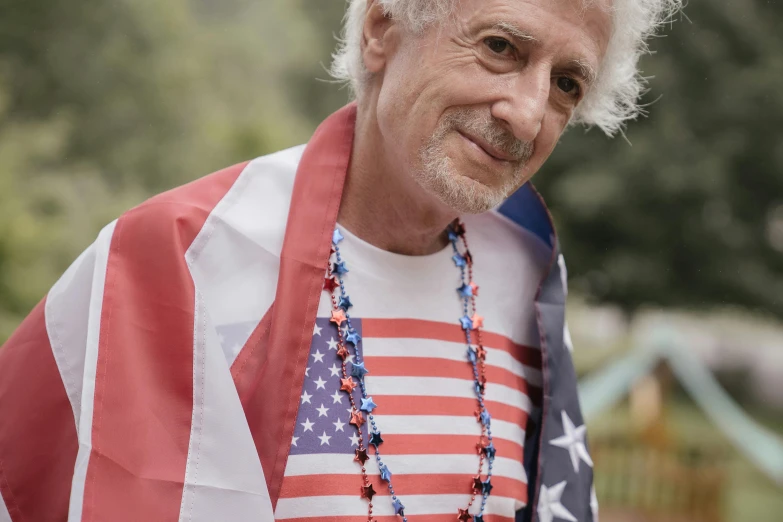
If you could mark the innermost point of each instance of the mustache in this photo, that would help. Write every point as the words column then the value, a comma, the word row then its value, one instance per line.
column 482, row 124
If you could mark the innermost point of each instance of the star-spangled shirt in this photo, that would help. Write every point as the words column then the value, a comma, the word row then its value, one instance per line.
column 406, row 310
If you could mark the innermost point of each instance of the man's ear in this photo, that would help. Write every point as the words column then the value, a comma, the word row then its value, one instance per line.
column 375, row 45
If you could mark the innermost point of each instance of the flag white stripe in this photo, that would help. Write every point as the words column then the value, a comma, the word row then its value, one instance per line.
column 353, row 505
column 444, row 387
column 436, row 349
column 240, row 288
column 102, row 246
column 223, row 478
column 66, row 324
column 4, row 515
column 341, row 464
column 446, row 425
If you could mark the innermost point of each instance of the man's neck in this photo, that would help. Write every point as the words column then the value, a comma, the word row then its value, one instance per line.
column 385, row 207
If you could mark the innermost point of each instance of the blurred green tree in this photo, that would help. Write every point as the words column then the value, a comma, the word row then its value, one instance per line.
column 692, row 213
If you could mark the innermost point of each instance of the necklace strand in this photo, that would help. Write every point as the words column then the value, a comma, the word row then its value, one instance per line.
column 476, row 355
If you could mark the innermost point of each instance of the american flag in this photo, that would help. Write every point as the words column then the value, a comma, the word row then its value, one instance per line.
column 422, row 383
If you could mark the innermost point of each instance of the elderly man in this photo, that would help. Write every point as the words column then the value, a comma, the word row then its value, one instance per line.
column 369, row 327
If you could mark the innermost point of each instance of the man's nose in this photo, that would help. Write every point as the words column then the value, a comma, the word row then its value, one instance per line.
column 524, row 102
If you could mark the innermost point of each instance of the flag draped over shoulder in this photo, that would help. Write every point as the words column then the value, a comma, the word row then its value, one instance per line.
column 118, row 401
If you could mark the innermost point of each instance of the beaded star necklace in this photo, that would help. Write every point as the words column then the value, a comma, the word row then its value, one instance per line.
column 476, row 354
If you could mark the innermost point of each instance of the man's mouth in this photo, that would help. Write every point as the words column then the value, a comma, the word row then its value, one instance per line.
column 489, row 150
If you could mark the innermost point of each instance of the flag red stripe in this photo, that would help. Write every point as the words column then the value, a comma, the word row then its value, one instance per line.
column 421, row 329
column 38, row 441
column 407, row 405
column 446, row 445
column 424, row 484
column 144, row 379
column 432, row 367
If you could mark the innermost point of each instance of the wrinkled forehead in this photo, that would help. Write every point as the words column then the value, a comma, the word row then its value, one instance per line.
column 578, row 28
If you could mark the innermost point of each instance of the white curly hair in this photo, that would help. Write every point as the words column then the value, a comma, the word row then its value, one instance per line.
column 611, row 102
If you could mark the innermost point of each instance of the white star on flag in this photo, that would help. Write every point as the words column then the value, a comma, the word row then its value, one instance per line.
column 335, row 370
column 337, row 397
column 354, row 439
column 549, row 505
column 318, row 356
column 338, row 426
column 323, row 411
column 325, row 439
column 293, row 441
column 332, row 344
column 320, row 383
column 574, row 441
column 308, row 426
column 317, row 330
column 306, row 398
column 307, row 372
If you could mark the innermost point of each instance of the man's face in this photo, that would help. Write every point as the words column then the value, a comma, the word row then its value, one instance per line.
column 473, row 107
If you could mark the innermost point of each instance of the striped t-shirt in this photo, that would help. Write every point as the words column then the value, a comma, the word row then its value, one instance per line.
column 406, row 310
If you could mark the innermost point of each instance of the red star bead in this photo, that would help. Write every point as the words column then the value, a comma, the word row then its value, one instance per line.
column 338, row 316
column 475, row 288
column 362, row 457
column 464, row 516
column 342, row 352
column 468, row 257
column 356, row 418
column 477, row 484
column 330, row 284
column 368, row 492
column 347, row 385
column 478, row 321
column 481, row 353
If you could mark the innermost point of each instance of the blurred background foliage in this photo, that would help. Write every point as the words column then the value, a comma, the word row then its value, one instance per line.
column 106, row 102
column 103, row 103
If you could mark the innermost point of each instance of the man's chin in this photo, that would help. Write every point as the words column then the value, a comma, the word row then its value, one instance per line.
column 464, row 193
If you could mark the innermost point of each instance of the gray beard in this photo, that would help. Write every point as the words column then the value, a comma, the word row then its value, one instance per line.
column 439, row 176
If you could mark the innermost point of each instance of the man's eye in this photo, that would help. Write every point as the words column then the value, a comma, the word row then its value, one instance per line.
column 568, row 85
column 498, row 45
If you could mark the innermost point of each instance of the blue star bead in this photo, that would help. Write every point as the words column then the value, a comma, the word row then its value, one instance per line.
column 452, row 236
column 359, row 371
column 368, row 405
column 345, row 303
column 339, row 268
column 375, row 439
column 486, row 486
column 485, row 417
column 479, row 388
column 353, row 338
column 337, row 236
column 465, row 291
column 478, row 518
column 472, row 355
column 398, row 507
column 467, row 324
column 459, row 260
column 490, row 450
column 385, row 473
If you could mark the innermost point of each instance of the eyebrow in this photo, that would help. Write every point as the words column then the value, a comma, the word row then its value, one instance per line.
column 585, row 70
column 515, row 31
